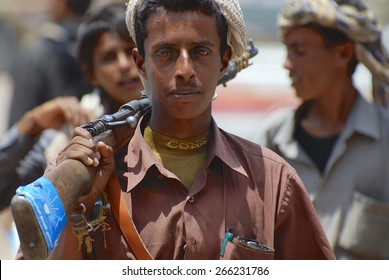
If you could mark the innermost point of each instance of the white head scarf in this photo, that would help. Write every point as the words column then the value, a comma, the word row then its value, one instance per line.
column 236, row 36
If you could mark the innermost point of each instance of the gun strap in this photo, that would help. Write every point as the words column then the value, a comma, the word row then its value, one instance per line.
column 119, row 208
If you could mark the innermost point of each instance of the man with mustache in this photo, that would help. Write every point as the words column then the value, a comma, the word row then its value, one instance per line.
column 222, row 197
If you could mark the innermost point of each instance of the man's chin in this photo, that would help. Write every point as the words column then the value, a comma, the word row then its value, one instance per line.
column 302, row 95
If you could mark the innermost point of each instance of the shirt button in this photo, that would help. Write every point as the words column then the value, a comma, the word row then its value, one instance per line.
column 194, row 242
column 191, row 199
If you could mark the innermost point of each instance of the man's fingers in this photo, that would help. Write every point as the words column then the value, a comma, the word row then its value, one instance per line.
column 81, row 147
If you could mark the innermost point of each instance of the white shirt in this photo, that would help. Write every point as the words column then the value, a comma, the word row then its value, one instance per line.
column 351, row 197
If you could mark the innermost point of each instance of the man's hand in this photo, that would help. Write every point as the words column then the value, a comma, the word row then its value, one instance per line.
column 100, row 156
column 53, row 114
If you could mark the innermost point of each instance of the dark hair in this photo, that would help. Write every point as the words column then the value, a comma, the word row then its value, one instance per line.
column 108, row 18
column 207, row 7
column 79, row 7
column 333, row 37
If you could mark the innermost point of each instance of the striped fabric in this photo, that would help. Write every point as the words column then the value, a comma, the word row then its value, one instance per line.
column 232, row 12
column 354, row 19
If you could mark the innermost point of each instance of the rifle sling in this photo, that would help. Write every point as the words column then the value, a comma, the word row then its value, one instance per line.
column 119, row 208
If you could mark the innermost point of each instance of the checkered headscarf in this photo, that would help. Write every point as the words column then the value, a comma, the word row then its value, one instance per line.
column 354, row 19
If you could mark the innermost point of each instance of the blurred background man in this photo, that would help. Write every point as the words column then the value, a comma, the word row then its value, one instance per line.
column 337, row 141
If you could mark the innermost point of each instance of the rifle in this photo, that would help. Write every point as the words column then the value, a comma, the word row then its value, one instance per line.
column 40, row 209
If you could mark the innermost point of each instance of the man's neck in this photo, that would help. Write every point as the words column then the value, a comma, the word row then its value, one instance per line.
column 180, row 129
column 327, row 116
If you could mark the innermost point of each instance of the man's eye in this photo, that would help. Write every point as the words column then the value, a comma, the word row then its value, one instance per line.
column 299, row 52
column 164, row 53
column 109, row 57
column 202, row 51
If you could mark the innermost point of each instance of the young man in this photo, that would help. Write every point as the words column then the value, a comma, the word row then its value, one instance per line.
column 187, row 184
column 104, row 51
column 336, row 140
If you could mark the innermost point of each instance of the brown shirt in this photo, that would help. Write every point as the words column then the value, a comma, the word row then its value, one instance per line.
column 241, row 186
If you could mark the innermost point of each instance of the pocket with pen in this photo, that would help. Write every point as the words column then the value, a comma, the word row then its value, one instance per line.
column 241, row 248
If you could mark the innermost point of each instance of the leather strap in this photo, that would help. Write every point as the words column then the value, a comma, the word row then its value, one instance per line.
column 119, row 208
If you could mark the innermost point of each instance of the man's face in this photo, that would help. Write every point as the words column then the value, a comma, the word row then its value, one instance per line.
column 114, row 69
column 312, row 67
column 182, row 64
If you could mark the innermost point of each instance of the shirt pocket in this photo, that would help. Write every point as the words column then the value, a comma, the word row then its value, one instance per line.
column 365, row 232
column 236, row 251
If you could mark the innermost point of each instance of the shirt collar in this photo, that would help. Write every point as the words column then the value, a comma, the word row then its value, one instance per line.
column 221, row 147
column 140, row 158
column 284, row 137
column 362, row 119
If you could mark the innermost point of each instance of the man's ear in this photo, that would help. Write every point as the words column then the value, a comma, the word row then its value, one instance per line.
column 140, row 66
column 139, row 62
column 346, row 52
column 225, row 60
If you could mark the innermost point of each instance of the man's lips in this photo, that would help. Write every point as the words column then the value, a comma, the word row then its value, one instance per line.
column 294, row 80
column 185, row 94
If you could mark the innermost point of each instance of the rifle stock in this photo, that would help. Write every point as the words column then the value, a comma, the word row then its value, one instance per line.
column 71, row 178
column 69, row 188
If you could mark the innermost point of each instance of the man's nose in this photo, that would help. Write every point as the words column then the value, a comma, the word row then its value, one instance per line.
column 124, row 60
column 126, row 63
column 185, row 66
column 287, row 63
